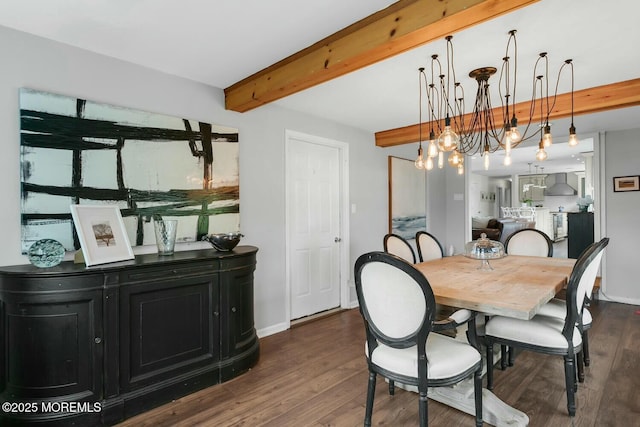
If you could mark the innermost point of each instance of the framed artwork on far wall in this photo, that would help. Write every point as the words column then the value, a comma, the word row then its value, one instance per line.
column 626, row 183
column 407, row 198
column 103, row 237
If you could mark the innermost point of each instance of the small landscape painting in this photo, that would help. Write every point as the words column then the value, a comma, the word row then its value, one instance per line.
column 626, row 183
column 407, row 198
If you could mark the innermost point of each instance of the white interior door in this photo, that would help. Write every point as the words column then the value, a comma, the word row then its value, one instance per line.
column 313, row 203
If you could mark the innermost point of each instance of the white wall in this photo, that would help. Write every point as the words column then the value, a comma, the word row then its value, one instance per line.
column 621, row 225
column 37, row 63
column 29, row 61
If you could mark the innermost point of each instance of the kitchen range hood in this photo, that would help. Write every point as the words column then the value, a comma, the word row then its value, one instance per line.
column 560, row 188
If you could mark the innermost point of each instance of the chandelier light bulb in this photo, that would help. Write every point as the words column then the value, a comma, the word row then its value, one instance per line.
column 546, row 138
column 541, row 154
column 448, row 139
column 486, row 161
column 507, row 142
column 429, row 163
column 432, row 149
column 507, row 160
column 454, row 158
column 419, row 163
column 515, row 133
column 440, row 160
column 573, row 138
column 460, row 169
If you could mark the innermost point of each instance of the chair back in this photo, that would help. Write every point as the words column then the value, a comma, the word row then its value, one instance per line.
column 581, row 281
column 507, row 211
column 398, row 246
column 585, row 287
column 527, row 213
column 530, row 242
column 396, row 302
column 429, row 247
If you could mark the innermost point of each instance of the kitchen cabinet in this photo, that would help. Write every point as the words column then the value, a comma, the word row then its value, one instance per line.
column 531, row 187
column 544, row 221
column 126, row 336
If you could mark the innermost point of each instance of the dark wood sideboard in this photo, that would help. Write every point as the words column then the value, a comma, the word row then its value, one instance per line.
column 126, row 336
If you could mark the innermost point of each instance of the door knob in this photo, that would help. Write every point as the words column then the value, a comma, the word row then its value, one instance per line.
column 337, row 239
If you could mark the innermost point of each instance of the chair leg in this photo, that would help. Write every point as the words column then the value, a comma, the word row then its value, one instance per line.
column 371, row 391
column 512, row 356
column 580, row 366
column 489, row 365
column 392, row 388
column 477, row 390
column 585, row 347
column 569, row 375
column 423, row 408
column 503, row 357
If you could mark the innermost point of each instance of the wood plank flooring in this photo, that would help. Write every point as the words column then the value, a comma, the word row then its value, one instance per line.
column 316, row 375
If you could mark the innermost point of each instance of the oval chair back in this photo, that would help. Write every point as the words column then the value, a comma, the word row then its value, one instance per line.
column 429, row 248
column 530, row 242
column 398, row 246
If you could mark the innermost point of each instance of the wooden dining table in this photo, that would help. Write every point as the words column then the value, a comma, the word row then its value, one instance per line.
column 517, row 286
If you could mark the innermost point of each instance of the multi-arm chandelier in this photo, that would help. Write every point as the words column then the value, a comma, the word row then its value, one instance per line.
column 481, row 132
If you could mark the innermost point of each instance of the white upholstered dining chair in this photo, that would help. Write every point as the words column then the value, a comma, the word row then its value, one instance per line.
column 399, row 246
column 550, row 335
column 429, row 248
column 558, row 308
column 529, row 241
column 398, row 308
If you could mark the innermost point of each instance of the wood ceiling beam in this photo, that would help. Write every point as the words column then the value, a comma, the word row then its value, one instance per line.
column 593, row 100
column 400, row 27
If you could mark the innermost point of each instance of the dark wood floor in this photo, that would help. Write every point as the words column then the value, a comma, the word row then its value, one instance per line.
column 316, row 375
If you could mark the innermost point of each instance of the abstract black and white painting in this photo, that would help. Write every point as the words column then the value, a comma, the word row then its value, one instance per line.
column 407, row 198
column 75, row 151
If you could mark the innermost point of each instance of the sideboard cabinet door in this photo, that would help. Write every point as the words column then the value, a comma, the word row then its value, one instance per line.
column 53, row 346
column 168, row 328
column 238, row 333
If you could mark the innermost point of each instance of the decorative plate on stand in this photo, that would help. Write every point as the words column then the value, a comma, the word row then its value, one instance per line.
column 46, row 253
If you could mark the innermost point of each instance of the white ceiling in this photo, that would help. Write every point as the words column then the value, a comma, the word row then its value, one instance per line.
column 219, row 42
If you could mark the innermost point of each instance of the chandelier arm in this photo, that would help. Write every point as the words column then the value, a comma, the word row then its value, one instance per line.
column 451, row 72
column 512, row 36
column 532, row 106
column 493, row 131
column 546, row 79
column 504, row 74
column 571, row 63
column 435, row 61
column 420, row 74
column 555, row 95
column 432, row 100
column 462, row 110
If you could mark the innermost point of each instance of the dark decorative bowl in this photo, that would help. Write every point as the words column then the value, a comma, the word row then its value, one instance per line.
column 223, row 242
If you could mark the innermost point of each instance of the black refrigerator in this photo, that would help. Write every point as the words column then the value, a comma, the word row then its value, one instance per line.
column 580, row 232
